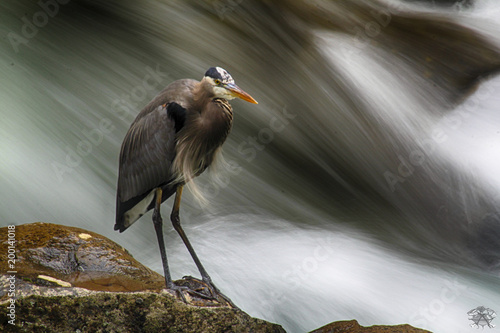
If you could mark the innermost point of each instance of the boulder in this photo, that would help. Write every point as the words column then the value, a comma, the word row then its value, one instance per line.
column 66, row 279
column 80, row 257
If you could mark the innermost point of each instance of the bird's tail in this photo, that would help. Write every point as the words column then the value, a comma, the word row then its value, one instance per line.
column 130, row 211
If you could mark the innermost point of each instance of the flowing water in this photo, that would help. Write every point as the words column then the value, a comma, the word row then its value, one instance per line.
column 363, row 185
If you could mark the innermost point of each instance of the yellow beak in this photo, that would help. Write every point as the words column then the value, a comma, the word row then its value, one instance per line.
column 238, row 92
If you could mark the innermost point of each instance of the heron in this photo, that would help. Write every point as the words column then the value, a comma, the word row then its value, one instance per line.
column 173, row 139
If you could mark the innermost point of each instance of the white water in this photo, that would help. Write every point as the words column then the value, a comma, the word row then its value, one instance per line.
column 307, row 231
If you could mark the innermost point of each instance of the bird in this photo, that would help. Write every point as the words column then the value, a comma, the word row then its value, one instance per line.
column 173, row 139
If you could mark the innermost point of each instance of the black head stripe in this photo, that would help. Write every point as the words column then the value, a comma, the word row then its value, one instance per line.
column 213, row 73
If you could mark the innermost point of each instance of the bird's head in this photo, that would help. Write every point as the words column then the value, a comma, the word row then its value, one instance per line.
column 224, row 86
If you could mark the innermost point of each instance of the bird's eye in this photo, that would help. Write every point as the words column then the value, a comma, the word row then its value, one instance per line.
column 217, row 81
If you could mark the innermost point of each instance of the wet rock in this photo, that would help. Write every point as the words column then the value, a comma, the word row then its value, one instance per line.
column 76, row 256
column 352, row 326
column 72, row 280
column 52, row 255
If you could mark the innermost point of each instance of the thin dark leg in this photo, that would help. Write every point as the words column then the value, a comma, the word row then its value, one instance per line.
column 176, row 222
column 158, row 223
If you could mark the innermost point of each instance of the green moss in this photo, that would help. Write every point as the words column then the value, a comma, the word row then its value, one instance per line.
column 130, row 312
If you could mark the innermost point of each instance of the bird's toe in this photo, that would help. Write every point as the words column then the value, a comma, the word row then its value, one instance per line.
column 208, row 289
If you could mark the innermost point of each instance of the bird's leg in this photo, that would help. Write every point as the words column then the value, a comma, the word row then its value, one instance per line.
column 176, row 222
column 158, row 223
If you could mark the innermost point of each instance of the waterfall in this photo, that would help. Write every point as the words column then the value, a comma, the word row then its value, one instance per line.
column 363, row 185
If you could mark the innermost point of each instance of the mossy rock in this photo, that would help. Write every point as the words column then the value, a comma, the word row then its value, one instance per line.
column 129, row 312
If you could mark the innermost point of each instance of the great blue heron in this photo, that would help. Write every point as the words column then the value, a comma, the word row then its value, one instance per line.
column 172, row 140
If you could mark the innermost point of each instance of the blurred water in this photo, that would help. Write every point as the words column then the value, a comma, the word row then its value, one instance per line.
column 363, row 185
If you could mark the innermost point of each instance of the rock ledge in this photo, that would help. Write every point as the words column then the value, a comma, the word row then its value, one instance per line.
column 68, row 279
column 128, row 312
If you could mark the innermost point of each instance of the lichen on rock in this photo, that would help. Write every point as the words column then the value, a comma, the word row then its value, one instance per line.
column 131, row 312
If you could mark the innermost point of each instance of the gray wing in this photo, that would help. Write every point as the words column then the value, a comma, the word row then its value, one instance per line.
column 146, row 154
column 149, row 145
column 148, row 149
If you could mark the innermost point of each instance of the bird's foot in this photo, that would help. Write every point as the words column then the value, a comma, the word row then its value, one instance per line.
column 206, row 290
column 189, row 293
column 179, row 292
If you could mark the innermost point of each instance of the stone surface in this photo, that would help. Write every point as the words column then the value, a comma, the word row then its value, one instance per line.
column 128, row 312
column 52, row 255
column 352, row 326
column 73, row 280
column 83, row 258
